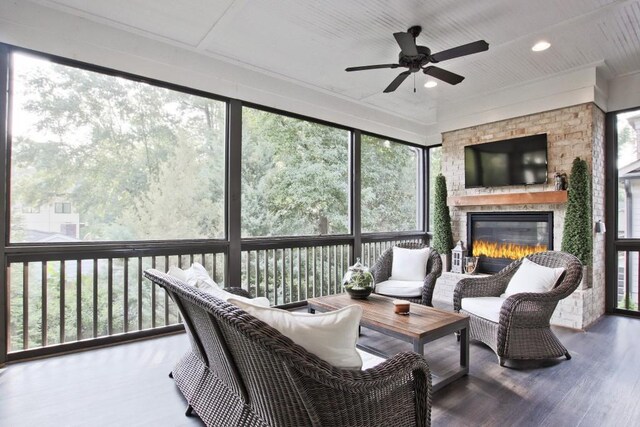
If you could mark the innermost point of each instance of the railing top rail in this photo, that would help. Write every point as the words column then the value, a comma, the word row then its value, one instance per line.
column 108, row 250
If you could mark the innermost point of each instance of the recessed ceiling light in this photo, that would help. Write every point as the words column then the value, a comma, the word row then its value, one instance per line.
column 431, row 83
column 540, row 46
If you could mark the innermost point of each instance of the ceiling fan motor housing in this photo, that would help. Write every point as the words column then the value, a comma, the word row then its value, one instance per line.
column 414, row 63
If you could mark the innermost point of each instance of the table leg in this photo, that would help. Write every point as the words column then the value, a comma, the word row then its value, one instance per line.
column 311, row 310
column 418, row 347
column 464, row 348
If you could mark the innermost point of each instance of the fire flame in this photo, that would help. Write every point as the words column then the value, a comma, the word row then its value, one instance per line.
column 505, row 250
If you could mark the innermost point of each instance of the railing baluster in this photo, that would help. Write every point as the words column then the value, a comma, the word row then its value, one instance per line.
column 153, row 296
column 110, row 296
column 322, row 292
column 95, row 297
column 140, row 293
column 627, row 280
column 166, row 295
column 125, row 296
column 283, row 284
column 62, row 301
column 307, row 265
column 315, row 271
column 336, row 278
column 275, row 276
column 79, row 299
column 299, row 276
column 25, row 305
column 248, row 266
column 290, row 287
column 258, row 278
column 638, row 283
column 44, row 284
column 215, row 267
column 266, row 274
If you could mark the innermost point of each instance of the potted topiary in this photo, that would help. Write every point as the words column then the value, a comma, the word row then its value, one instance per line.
column 442, row 235
column 577, row 237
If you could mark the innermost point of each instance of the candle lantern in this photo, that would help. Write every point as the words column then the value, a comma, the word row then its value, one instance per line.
column 458, row 255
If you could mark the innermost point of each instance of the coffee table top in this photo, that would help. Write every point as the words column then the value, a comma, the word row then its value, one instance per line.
column 378, row 313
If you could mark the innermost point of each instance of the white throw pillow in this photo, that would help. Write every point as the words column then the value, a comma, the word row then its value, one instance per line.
column 532, row 277
column 409, row 264
column 331, row 336
column 197, row 276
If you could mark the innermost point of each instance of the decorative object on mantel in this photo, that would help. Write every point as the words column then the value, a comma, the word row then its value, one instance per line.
column 560, row 180
column 358, row 281
column 578, row 235
column 442, row 235
column 458, row 254
column 470, row 264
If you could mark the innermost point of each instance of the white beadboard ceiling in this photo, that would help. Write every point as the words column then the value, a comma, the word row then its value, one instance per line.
column 310, row 42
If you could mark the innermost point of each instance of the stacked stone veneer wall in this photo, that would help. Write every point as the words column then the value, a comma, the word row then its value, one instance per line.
column 576, row 131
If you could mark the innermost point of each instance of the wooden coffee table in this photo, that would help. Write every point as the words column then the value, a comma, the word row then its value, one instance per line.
column 422, row 325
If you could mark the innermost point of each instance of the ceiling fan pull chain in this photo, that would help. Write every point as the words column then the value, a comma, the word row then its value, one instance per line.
column 414, row 83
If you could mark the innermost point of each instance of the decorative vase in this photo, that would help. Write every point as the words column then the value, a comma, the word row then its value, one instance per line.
column 358, row 281
column 470, row 264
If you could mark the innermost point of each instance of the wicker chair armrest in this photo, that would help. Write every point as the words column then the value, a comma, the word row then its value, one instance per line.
column 238, row 291
column 529, row 309
column 435, row 262
column 381, row 269
column 398, row 387
column 488, row 286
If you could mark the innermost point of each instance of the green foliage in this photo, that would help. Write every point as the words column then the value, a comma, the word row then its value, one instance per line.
column 577, row 236
column 442, row 235
column 389, row 186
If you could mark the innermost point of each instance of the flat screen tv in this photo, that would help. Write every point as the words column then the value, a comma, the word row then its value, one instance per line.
column 517, row 161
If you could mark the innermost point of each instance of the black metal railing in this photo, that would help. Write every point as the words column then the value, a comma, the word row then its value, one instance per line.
column 81, row 296
column 628, row 280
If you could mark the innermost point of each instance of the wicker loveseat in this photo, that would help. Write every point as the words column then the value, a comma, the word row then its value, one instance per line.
column 381, row 271
column 523, row 330
column 241, row 372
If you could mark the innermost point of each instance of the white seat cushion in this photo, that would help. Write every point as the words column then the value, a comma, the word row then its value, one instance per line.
column 331, row 336
column 532, row 277
column 409, row 264
column 198, row 277
column 486, row 307
column 369, row 360
column 400, row 288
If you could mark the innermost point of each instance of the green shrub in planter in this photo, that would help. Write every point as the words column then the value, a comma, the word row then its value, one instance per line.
column 442, row 236
column 577, row 236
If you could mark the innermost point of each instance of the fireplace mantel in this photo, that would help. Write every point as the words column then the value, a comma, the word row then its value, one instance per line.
column 528, row 198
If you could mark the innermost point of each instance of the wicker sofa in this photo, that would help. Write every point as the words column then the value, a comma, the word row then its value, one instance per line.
column 240, row 371
column 381, row 271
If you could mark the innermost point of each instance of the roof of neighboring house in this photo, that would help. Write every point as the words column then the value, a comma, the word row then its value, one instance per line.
column 34, row 236
column 630, row 171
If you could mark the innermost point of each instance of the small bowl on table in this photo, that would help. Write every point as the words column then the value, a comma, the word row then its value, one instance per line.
column 401, row 306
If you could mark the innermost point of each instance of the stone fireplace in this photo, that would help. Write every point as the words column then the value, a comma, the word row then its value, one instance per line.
column 576, row 131
column 499, row 238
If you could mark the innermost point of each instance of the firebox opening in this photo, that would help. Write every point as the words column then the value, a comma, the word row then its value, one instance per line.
column 498, row 238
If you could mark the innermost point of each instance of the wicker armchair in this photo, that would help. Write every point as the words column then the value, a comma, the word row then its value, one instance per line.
column 523, row 331
column 242, row 372
column 381, row 271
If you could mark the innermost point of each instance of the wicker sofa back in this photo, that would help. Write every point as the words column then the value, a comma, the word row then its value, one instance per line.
column 240, row 371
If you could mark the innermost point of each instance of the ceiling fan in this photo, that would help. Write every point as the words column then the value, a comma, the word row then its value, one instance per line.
column 416, row 58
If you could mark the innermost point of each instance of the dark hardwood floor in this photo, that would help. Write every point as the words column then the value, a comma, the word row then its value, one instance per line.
column 127, row 385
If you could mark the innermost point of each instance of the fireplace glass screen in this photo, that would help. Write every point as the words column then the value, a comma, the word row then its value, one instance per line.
column 500, row 238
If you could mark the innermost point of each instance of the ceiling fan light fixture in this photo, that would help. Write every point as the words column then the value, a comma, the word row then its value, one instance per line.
column 540, row 46
column 431, row 83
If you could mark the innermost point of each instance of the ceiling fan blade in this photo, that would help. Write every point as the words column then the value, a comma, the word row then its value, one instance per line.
column 407, row 43
column 465, row 49
column 444, row 75
column 397, row 81
column 372, row 67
